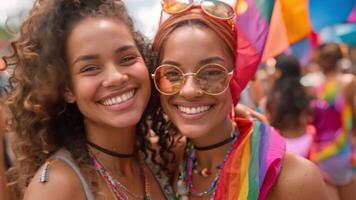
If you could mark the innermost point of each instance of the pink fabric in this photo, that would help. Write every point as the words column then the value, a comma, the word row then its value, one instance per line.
column 274, row 161
column 247, row 61
column 300, row 145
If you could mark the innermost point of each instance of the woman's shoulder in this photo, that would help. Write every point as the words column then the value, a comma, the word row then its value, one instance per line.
column 55, row 180
column 299, row 179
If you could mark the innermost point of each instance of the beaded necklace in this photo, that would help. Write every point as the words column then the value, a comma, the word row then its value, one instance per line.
column 187, row 170
column 115, row 185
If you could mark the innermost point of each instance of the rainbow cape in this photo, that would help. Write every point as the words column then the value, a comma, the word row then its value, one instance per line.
column 253, row 18
column 253, row 164
column 341, row 145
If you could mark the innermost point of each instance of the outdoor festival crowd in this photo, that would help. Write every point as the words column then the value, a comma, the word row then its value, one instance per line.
column 91, row 109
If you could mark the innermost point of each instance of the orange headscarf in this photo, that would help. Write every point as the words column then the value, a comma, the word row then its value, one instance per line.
column 222, row 28
column 225, row 30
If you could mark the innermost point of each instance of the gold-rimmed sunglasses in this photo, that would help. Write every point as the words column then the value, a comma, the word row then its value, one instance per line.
column 213, row 8
column 212, row 79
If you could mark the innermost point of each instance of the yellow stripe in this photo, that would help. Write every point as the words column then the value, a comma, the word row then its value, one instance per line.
column 244, row 170
column 332, row 149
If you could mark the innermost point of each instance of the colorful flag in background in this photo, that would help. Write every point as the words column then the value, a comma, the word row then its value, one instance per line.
column 296, row 19
column 253, row 21
column 290, row 26
column 325, row 13
column 277, row 39
column 301, row 20
column 352, row 16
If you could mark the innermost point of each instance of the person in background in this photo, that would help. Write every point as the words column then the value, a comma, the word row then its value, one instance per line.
column 334, row 120
column 288, row 107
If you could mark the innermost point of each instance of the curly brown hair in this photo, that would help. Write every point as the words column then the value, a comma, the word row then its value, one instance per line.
column 40, row 118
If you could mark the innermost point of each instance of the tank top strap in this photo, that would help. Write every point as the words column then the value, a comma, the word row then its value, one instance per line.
column 67, row 158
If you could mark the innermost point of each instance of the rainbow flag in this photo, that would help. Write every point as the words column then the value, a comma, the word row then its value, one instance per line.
column 253, row 20
column 296, row 18
column 289, row 31
column 341, row 145
column 329, row 91
column 277, row 39
column 253, row 164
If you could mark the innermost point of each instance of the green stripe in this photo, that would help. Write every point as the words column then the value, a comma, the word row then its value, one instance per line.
column 253, row 177
column 265, row 7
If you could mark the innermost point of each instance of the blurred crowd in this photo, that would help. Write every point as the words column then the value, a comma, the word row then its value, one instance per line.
column 312, row 106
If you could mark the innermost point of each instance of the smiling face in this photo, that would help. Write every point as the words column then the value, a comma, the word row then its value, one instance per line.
column 196, row 114
column 109, row 79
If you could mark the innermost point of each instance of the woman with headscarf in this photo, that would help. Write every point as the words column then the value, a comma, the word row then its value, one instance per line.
column 224, row 157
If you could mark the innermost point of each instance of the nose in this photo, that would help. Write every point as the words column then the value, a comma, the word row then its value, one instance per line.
column 190, row 89
column 114, row 76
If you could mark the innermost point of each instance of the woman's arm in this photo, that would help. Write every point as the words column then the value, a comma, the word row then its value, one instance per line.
column 62, row 184
column 299, row 179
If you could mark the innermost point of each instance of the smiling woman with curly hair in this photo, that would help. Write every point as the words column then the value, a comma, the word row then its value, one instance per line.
column 77, row 98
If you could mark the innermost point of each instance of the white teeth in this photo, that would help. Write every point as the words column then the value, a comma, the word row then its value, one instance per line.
column 118, row 99
column 193, row 110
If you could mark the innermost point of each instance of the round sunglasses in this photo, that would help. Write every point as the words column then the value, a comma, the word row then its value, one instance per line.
column 213, row 8
column 212, row 79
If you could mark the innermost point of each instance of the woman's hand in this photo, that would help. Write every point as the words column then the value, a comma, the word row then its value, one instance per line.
column 246, row 112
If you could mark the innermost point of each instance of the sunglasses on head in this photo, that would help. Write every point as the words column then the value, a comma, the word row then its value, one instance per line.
column 212, row 79
column 213, row 8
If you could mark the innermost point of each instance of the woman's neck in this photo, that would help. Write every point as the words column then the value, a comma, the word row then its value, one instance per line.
column 213, row 157
column 121, row 141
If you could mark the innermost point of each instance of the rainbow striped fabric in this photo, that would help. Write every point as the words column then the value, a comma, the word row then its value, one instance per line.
column 330, row 92
column 253, row 19
column 253, row 164
column 332, row 150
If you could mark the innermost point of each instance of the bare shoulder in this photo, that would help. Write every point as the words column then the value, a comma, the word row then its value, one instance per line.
column 299, row 179
column 62, row 184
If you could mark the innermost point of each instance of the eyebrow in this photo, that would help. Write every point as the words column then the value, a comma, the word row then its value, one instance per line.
column 124, row 48
column 85, row 57
column 213, row 59
column 169, row 62
column 95, row 56
column 201, row 63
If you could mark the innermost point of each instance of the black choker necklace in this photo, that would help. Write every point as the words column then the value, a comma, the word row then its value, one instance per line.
column 109, row 152
column 216, row 145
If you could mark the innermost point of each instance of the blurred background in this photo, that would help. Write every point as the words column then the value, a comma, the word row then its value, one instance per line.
column 296, row 29
column 297, row 26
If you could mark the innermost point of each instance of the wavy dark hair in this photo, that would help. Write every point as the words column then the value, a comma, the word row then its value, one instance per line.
column 40, row 118
column 286, row 102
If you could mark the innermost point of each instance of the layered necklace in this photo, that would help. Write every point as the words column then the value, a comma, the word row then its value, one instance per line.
column 185, row 186
column 120, row 191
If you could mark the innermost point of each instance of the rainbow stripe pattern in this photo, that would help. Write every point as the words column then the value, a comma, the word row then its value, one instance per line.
column 253, row 19
column 341, row 145
column 353, row 161
column 253, row 164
